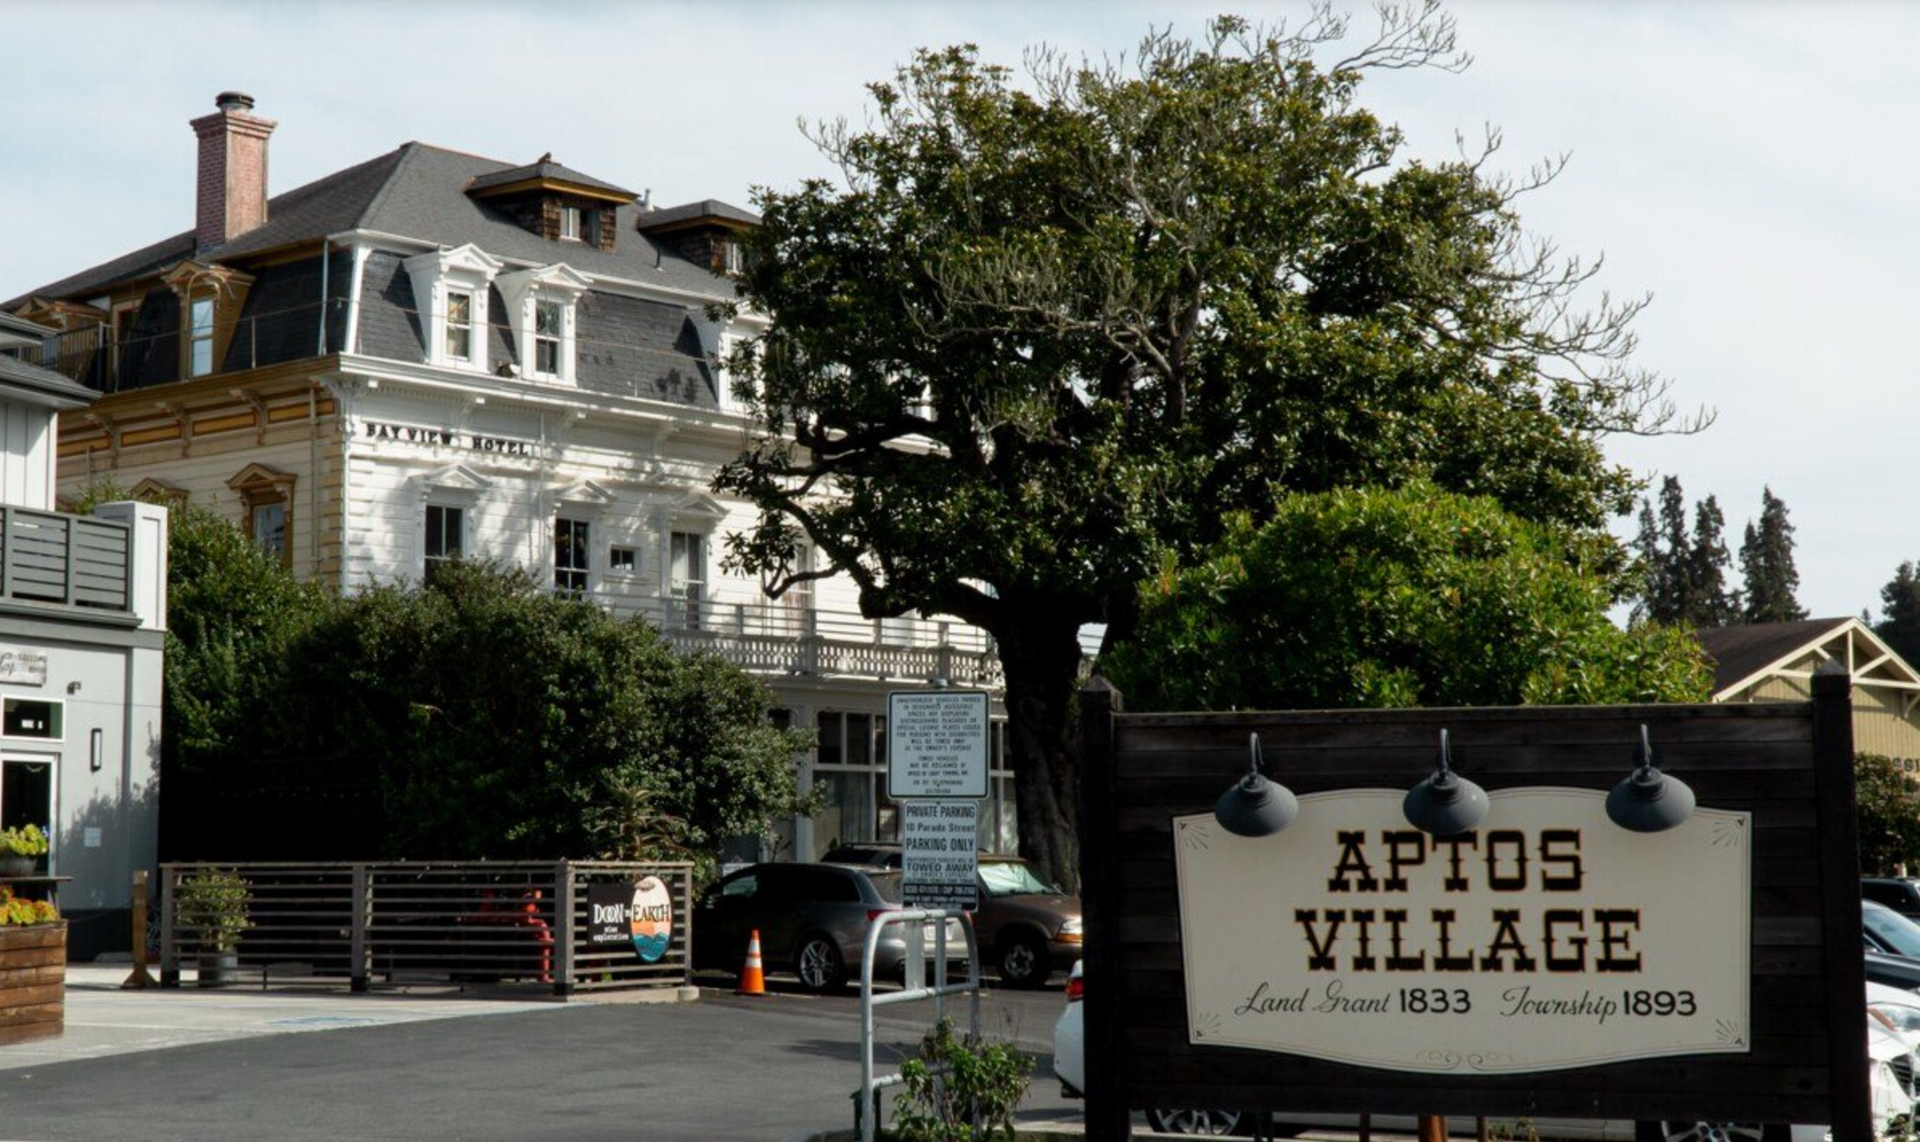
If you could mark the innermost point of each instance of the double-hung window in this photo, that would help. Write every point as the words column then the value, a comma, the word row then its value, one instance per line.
column 546, row 337
column 687, row 577
column 200, row 337
column 267, row 521
column 445, row 528
column 570, row 562
column 572, row 224
column 459, row 325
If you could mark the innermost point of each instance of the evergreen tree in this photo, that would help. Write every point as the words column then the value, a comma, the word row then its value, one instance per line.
column 1653, row 564
column 1899, row 621
column 1708, row 601
column 1766, row 560
column 1663, row 547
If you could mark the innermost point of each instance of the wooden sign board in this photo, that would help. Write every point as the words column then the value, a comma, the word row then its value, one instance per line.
column 1710, row 972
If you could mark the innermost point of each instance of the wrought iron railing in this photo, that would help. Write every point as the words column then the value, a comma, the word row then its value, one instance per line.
column 53, row 559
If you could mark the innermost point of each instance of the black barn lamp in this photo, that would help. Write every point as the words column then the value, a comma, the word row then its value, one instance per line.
column 1254, row 806
column 1649, row 801
column 1445, row 803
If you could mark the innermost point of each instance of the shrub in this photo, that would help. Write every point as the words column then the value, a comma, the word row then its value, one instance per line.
column 960, row 1089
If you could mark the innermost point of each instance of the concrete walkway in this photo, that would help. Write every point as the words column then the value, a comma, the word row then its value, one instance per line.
column 104, row 1020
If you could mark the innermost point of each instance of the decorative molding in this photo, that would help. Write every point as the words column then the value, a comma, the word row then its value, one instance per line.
column 434, row 274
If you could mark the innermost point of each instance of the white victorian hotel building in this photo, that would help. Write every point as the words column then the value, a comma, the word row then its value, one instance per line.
column 431, row 355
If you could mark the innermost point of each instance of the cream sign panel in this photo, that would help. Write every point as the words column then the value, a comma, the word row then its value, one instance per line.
column 1546, row 938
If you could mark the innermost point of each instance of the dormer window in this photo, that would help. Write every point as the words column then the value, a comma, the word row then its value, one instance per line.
column 450, row 292
column 211, row 299
column 558, row 203
column 540, row 310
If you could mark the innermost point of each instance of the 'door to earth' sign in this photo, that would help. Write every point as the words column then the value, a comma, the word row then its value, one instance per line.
column 1547, row 938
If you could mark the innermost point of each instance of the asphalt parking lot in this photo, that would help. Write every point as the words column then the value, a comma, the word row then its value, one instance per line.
column 287, row 1066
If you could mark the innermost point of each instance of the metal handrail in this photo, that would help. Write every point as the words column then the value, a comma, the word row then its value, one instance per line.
column 866, row 1111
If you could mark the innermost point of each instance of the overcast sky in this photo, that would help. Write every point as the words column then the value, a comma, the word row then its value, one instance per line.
column 1751, row 165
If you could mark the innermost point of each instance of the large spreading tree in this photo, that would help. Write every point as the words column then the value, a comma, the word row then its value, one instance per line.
column 1046, row 330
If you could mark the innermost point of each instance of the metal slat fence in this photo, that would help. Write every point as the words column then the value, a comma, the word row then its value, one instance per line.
column 373, row 924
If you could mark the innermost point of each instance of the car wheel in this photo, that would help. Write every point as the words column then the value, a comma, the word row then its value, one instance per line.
column 1214, row 1123
column 1023, row 962
column 1667, row 1131
column 818, row 965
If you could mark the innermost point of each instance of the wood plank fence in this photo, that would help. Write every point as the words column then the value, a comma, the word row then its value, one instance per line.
column 376, row 924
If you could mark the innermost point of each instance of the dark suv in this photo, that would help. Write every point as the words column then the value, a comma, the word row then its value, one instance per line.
column 1026, row 927
column 812, row 920
column 1900, row 893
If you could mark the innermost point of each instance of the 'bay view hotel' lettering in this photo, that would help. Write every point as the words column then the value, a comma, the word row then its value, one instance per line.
column 431, row 355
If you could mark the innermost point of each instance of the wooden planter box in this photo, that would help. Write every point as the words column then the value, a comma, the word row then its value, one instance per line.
column 33, row 982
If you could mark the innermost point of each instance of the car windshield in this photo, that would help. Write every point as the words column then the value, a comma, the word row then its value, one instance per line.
column 887, row 884
column 1011, row 878
column 1893, row 929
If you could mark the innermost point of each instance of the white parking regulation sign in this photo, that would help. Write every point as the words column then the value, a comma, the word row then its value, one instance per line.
column 938, row 854
column 936, row 743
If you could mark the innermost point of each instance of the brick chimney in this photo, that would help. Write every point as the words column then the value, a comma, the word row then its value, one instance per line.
column 232, row 196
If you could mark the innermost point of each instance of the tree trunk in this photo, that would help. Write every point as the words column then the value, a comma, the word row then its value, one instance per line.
column 1042, row 662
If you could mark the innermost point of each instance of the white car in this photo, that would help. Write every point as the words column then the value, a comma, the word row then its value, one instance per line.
column 1893, row 1034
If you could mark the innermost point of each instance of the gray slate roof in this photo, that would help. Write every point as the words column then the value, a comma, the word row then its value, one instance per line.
column 416, row 191
column 546, row 168
column 706, row 207
column 1738, row 652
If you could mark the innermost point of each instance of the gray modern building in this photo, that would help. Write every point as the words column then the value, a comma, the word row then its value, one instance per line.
column 83, row 601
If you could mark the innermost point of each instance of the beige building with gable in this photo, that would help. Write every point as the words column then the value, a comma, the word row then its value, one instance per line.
column 1774, row 662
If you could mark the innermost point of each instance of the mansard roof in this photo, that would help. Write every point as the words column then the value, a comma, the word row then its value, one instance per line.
column 416, row 191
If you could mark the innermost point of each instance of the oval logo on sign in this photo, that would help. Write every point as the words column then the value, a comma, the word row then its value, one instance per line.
column 652, row 918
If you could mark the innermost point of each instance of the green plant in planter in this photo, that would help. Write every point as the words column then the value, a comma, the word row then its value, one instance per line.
column 214, row 902
column 26, row 840
column 960, row 1089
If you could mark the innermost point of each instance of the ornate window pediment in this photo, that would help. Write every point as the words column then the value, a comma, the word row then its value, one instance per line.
column 540, row 310
column 452, row 481
column 450, row 289
column 584, row 496
column 266, row 498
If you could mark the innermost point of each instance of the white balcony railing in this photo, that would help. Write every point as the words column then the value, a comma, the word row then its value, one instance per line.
column 772, row 637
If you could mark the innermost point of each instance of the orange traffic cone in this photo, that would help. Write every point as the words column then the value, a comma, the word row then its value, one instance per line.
column 753, row 980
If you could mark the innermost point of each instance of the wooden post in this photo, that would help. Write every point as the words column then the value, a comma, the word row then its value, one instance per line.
column 1109, row 1119
column 1845, row 971
column 1433, row 1128
column 139, row 978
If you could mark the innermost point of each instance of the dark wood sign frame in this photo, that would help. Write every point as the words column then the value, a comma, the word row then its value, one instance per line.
column 1789, row 764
